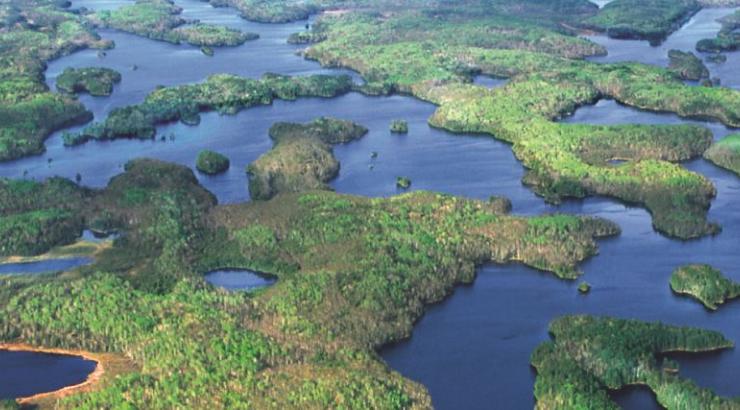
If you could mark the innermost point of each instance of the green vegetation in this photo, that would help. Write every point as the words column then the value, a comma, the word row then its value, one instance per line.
column 563, row 160
column 302, row 158
column 592, row 355
column 32, row 33
column 212, row 163
column 160, row 20
column 97, row 81
column 399, row 127
column 728, row 38
column 354, row 274
column 705, row 284
column 652, row 20
column 584, row 287
column 227, row 94
column 403, row 182
column 687, row 66
column 726, row 153
column 35, row 217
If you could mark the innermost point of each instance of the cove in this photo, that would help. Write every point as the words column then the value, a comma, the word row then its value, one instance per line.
column 27, row 373
column 43, row 266
column 239, row 280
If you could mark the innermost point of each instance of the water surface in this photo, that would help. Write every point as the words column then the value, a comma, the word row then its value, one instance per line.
column 473, row 349
column 702, row 25
column 27, row 373
column 43, row 266
column 241, row 280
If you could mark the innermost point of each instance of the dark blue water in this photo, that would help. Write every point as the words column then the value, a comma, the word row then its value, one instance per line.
column 44, row 266
column 473, row 349
column 27, row 373
column 243, row 280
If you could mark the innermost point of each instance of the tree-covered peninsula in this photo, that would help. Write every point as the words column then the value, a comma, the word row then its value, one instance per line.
column 353, row 274
column 160, row 20
column 32, row 33
column 302, row 158
column 590, row 356
column 705, row 284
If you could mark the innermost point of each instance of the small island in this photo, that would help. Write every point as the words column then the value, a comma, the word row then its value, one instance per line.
column 725, row 153
column 98, row 81
column 211, row 162
column 302, row 158
column 686, row 65
column 399, row 127
column 584, row 287
column 705, row 284
column 590, row 356
column 403, row 182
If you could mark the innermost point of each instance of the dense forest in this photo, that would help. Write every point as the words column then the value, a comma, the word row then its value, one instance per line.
column 353, row 273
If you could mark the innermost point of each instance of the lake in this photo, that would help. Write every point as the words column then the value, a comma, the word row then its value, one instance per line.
column 473, row 349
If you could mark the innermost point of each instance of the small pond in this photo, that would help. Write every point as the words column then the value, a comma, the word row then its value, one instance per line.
column 239, row 280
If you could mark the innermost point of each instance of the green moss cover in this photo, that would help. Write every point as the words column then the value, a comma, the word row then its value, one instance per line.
column 705, row 284
column 590, row 356
column 302, row 158
column 210, row 162
column 97, row 81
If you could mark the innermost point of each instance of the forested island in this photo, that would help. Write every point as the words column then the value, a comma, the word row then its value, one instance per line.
column 704, row 283
column 353, row 273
